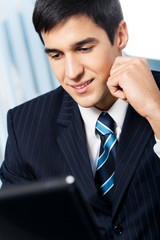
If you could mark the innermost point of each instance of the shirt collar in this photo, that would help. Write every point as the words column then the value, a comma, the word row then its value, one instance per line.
column 117, row 112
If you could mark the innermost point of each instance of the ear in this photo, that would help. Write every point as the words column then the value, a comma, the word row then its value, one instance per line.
column 121, row 38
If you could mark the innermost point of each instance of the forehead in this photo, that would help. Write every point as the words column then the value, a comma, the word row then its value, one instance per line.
column 72, row 30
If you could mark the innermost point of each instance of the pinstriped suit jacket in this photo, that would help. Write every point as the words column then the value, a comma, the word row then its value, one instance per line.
column 47, row 139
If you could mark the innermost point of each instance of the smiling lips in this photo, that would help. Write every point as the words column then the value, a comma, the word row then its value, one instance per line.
column 83, row 85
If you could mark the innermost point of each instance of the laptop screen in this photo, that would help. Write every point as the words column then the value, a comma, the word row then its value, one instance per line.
column 46, row 210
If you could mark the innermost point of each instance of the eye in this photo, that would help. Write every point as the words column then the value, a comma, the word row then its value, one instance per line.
column 56, row 56
column 85, row 49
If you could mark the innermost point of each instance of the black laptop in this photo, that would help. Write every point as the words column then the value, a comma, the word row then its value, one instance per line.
column 49, row 210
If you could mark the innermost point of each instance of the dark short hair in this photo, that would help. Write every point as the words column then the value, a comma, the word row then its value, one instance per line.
column 107, row 14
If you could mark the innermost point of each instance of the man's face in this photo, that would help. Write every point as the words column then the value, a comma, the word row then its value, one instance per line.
column 81, row 57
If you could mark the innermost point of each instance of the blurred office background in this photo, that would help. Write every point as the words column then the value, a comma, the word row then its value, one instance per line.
column 24, row 69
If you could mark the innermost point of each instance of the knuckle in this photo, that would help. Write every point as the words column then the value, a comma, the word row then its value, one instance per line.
column 108, row 82
column 141, row 60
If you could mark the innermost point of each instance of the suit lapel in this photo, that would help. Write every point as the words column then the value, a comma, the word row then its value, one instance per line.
column 135, row 134
column 72, row 142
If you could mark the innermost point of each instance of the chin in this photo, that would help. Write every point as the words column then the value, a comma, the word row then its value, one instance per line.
column 86, row 104
column 88, row 101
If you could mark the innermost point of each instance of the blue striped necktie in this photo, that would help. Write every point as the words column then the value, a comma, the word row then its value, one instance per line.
column 104, row 177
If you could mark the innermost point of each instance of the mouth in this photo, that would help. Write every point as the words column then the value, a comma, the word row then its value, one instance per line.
column 82, row 85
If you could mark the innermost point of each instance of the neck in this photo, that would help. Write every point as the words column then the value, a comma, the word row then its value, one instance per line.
column 105, row 106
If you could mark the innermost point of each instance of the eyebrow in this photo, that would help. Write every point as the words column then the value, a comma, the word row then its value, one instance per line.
column 85, row 41
column 80, row 43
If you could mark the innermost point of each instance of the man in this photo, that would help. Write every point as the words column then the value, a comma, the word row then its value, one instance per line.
column 54, row 134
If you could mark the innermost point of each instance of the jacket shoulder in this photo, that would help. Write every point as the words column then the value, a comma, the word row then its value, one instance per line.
column 41, row 101
column 41, row 109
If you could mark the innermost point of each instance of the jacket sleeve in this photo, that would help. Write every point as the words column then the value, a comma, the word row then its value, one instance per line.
column 13, row 169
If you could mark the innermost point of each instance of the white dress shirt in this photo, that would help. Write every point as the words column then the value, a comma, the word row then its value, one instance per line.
column 90, row 116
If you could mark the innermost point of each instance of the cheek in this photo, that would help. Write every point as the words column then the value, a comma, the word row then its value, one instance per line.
column 58, row 71
column 102, row 62
column 102, row 69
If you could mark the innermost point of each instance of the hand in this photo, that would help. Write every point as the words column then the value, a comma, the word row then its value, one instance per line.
column 131, row 80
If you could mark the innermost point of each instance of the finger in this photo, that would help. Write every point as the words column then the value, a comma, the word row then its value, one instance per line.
column 115, row 89
column 127, row 62
column 118, row 65
column 120, row 71
column 118, row 94
column 122, row 59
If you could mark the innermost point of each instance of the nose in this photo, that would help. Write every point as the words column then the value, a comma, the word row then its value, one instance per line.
column 73, row 68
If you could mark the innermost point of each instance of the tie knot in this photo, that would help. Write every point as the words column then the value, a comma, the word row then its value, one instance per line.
column 105, row 124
